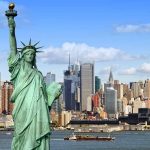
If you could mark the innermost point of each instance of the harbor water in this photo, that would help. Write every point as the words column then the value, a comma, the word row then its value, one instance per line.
column 126, row 140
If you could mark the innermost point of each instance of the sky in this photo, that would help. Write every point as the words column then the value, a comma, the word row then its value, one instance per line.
column 109, row 33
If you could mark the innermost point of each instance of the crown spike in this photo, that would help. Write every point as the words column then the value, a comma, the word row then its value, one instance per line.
column 36, row 43
column 39, row 47
column 22, row 43
column 39, row 51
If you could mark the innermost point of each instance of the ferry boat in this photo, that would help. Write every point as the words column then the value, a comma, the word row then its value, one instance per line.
column 89, row 137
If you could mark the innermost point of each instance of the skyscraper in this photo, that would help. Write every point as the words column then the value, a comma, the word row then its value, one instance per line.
column 86, row 83
column 135, row 88
column 49, row 78
column 71, row 87
column 147, row 89
column 119, row 88
column 111, row 101
column 97, row 84
column 110, row 83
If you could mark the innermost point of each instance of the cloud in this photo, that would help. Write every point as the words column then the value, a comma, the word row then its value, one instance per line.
column 144, row 68
column 82, row 52
column 129, row 71
column 133, row 28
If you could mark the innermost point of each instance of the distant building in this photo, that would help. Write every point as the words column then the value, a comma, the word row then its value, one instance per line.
column 97, row 84
column 110, row 83
column 111, row 101
column 86, row 83
column 119, row 88
column 147, row 89
column 120, row 106
column 135, row 88
column 95, row 101
column 72, row 87
column 147, row 103
column 65, row 118
column 49, row 78
column 7, row 89
column 89, row 103
column 138, row 104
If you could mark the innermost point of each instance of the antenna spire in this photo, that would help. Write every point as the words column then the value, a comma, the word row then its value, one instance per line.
column 69, row 62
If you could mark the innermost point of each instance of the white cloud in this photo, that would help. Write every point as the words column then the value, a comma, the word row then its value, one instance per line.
column 133, row 28
column 144, row 68
column 83, row 52
column 129, row 71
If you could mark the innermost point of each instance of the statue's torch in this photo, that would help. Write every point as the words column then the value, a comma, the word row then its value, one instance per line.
column 11, row 12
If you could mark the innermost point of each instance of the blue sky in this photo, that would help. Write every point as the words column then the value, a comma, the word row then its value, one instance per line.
column 111, row 33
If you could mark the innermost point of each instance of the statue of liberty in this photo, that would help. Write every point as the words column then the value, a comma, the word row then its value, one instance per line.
column 31, row 97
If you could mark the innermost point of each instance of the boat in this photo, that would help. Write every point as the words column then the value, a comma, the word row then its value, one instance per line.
column 89, row 137
column 8, row 133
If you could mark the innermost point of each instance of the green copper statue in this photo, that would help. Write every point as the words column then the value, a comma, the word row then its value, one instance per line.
column 31, row 97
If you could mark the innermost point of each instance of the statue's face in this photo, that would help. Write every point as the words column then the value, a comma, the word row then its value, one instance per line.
column 29, row 56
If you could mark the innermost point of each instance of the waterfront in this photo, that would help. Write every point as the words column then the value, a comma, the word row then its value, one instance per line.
column 125, row 140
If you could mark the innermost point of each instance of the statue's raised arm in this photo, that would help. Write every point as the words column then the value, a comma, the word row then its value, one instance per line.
column 11, row 13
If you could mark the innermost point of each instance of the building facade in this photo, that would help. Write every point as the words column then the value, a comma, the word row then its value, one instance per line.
column 87, row 83
column 72, row 88
column 49, row 78
column 6, row 105
column 111, row 101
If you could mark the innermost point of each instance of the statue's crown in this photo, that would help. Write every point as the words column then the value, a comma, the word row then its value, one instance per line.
column 30, row 46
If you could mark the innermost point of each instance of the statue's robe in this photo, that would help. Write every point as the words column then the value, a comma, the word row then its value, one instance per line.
column 31, row 113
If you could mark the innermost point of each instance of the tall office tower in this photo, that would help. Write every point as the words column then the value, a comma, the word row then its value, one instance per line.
column 89, row 104
column 71, row 87
column 119, row 88
column 7, row 89
column 111, row 102
column 147, row 89
column 120, row 106
column 86, row 83
column 110, row 83
column 97, row 84
column 127, row 92
column 135, row 88
column 49, row 78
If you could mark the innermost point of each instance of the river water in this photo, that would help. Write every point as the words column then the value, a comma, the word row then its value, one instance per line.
column 126, row 140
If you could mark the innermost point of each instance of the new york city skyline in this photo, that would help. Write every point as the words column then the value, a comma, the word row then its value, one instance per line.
column 112, row 34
